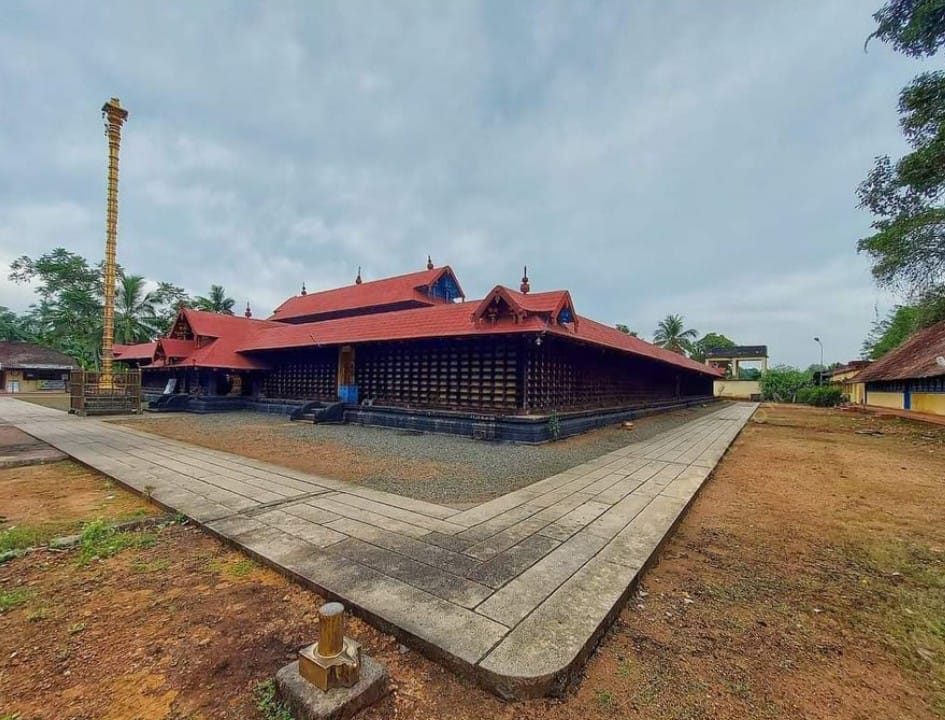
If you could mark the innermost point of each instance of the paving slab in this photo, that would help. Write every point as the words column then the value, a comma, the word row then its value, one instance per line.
column 513, row 593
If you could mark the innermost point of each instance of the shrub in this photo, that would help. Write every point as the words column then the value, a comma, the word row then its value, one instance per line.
column 782, row 384
column 821, row 396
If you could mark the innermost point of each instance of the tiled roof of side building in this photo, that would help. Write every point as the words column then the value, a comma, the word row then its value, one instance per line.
column 138, row 351
column 454, row 320
column 915, row 358
column 396, row 290
column 25, row 354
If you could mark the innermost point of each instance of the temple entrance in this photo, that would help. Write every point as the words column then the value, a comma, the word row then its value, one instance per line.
column 347, row 390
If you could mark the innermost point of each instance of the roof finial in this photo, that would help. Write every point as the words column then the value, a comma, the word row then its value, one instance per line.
column 429, row 262
column 304, row 291
column 357, row 280
column 525, row 287
column 249, row 312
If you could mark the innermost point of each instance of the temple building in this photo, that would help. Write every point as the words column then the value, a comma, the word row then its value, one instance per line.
column 411, row 352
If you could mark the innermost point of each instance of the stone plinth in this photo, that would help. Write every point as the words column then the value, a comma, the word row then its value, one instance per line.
column 307, row 702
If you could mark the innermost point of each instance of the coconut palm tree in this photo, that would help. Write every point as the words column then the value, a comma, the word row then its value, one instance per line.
column 215, row 301
column 136, row 314
column 671, row 333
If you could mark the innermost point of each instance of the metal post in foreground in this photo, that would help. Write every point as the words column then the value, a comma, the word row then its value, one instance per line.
column 335, row 660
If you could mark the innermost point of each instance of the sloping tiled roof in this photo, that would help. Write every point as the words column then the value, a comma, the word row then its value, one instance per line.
column 211, row 324
column 456, row 320
column 376, row 293
column 25, row 355
column 222, row 353
column 139, row 351
column 853, row 365
column 176, row 348
column 599, row 334
column 915, row 358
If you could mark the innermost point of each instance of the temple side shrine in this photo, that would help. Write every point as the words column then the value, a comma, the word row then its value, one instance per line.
column 411, row 352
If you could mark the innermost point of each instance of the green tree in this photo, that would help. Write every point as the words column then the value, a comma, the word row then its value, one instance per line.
column 136, row 318
column 782, row 383
column 890, row 332
column 625, row 329
column 907, row 246
column 215, row 301
column 707, row 342
column 913, row 27
column 169, row 298
column 12, row 326
column 68, row 316
column 68, row 313
column 672, row 334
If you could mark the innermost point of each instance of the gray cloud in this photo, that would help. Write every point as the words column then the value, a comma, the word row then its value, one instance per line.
column 679, row 157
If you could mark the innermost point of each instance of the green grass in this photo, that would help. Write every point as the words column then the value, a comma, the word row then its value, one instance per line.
column 268, row 704
column 240, row 568
column 20, row 537
column 37, row 614
column 905, row 583
column 159, row 565
column 101, row 540
column 604, row 698
column 14, row 597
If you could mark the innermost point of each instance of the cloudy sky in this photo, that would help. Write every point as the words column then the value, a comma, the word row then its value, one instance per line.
column 652, row 157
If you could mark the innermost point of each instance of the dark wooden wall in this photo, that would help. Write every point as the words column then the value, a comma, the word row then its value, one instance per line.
column 480, row 373
column 305, row 374
column 562, row 375
column 498, row 374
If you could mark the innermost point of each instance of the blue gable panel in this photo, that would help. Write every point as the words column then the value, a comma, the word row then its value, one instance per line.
column 565, row 316
column 445, row 288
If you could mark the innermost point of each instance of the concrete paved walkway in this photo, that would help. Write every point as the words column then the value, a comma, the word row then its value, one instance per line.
column 514, row 592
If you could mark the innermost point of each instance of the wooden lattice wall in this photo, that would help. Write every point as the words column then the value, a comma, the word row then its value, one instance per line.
column 470, row 374
column 561, row 375
column 310, row 374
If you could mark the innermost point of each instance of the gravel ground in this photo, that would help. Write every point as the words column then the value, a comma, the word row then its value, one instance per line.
column 439, row 468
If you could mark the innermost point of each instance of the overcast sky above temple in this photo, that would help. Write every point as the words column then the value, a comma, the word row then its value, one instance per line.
column 653, row 158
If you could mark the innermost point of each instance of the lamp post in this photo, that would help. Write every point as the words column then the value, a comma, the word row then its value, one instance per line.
column 820, row 375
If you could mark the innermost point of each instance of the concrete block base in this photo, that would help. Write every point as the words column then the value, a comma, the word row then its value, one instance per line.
column 307, row 702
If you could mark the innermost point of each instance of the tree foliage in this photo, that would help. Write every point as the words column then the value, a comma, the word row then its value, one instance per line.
column 891, row 331
column 12, row 326
column 215, row 301
column 707, row 342
column 67, row 314
column 672, row 334
column 625, row 329
column 907, row 247
column 782, row 383
column 913, row 27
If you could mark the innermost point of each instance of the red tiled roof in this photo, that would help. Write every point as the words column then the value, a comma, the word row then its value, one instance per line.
column 550, row 301
column 522, row 304
column 915, row 358
column 456, row 320
column 222, row 353
column 227, row 332
column 387, row 291
column 599, row 334
column 139, row 351
column 211, row 324
column 175, row 348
